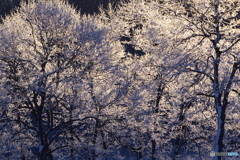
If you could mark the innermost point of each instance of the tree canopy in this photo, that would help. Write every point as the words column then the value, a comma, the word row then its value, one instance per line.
column 137, row 80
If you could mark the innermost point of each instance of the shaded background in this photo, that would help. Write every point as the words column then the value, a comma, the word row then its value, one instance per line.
column 84, row 6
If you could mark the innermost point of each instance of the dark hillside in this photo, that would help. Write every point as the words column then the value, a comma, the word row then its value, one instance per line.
column 85, row 6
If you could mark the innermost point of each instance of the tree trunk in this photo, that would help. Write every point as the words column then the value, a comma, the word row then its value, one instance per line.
column 156, row 111
column 71, row 135
column 153, row 149
column 220, row 134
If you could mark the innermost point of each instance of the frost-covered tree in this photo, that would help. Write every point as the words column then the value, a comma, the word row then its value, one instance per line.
column 173, row 77
column 47, row 53
column 144, row 80
column 211, row 40
column 139, row 27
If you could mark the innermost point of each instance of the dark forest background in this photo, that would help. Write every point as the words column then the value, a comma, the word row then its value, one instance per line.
column 84, row 6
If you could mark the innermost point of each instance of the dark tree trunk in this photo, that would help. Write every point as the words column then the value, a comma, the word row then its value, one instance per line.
column 156, row 111
column 153, row 149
